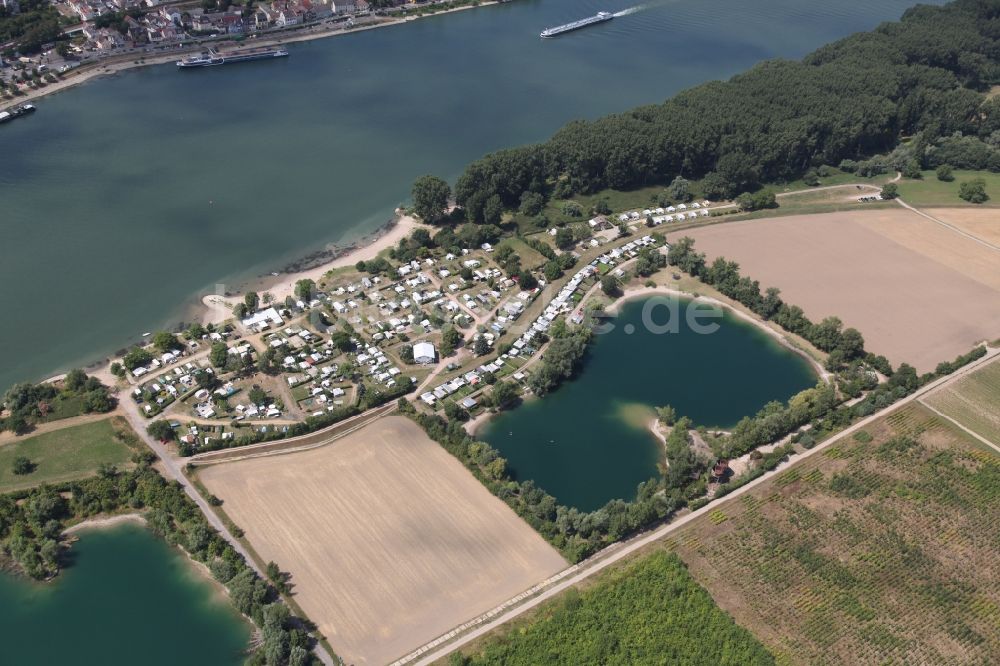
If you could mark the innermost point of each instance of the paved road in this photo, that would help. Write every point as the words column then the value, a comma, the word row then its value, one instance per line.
column 615, row 553
column 173, row 470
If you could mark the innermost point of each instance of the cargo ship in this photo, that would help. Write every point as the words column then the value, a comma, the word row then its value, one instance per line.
column 16, row 112
column 212, row 57
column 599, row 17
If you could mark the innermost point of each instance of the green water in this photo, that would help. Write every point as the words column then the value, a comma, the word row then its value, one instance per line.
column 586, row 443
column 123, row 198
column 126, row 599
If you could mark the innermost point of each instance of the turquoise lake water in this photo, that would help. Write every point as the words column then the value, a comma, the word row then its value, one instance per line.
column 127, row 599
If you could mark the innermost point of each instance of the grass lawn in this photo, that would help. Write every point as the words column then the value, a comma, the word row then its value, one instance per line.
column 930, row 191
column 530, row 257
column 62, row 455
column 836, row 177
column 63, row 407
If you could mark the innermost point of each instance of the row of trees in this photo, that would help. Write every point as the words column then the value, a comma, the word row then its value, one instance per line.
column 31, row 523
column 850, row 100
column 843, row 345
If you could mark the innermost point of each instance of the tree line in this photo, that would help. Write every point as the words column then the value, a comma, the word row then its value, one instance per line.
column 32, row 522
column 847, row 103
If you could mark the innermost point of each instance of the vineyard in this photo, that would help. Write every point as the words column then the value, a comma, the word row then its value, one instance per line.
column 972, row 401
column 879, row 550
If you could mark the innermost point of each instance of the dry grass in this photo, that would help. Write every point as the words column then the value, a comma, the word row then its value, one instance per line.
column 982, row 223
column 973, row 401
column 872, row 553
column 918, row 292
column 389, row 540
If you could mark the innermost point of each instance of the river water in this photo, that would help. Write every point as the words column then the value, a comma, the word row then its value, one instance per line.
column 123, row 198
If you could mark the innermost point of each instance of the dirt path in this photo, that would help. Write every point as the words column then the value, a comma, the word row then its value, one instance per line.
column 959, row 425
column 947, row 225
column 447, row 644
column 52, row 426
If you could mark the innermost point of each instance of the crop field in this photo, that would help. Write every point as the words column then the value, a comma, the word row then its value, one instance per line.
column 66, row 454
column 973, row 401
column 867, row 553
column 389, row 540
column 650, row 607
column 983, row 223
column 919, row 293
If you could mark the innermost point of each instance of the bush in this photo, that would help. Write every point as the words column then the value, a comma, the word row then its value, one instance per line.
column 973, row 191
column 945, row 173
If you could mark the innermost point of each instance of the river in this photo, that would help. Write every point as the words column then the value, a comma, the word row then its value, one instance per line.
column 126, row 599
column 589, row 441
column 123, row 198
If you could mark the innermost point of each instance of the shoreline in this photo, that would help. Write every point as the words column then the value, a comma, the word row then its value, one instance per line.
column 120, row 63
column 216, row 308
column 106, row 523
column 635, row 293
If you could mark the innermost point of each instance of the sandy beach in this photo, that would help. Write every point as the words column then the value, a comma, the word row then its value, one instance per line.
column 219, row 308
column 106, row 522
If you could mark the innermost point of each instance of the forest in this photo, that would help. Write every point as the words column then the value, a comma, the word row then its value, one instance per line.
column 651, row 611
column 850, row 103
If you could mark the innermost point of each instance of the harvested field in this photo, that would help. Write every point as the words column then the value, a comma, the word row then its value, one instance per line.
column 918, row 292
column 869, row 553
column 973, row 401
column 982, row 223
column 390, row 541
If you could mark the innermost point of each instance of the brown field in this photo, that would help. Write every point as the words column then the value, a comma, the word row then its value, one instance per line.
column 390, row 541
column 982, row 223
column 881, row 552
column 918, row 292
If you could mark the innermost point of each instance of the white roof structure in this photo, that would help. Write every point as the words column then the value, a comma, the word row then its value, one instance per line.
column 423, row 352
column 270, row 315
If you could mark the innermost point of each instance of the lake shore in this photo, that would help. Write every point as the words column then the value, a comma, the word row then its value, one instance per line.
column 117, row 64
column 106, row 522
column 638, row 293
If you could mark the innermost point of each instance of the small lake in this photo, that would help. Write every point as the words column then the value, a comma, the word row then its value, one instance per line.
column 127, row 599
column 589, row 442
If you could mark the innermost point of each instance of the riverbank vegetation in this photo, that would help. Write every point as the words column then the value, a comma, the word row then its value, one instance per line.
column 650, row 607
column 32, row 522
column 27, row 405
column 846, row 104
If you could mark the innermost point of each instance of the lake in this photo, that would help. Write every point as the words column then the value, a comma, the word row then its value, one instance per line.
column 127, row 599
column 589, row 441
column 125, row 197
